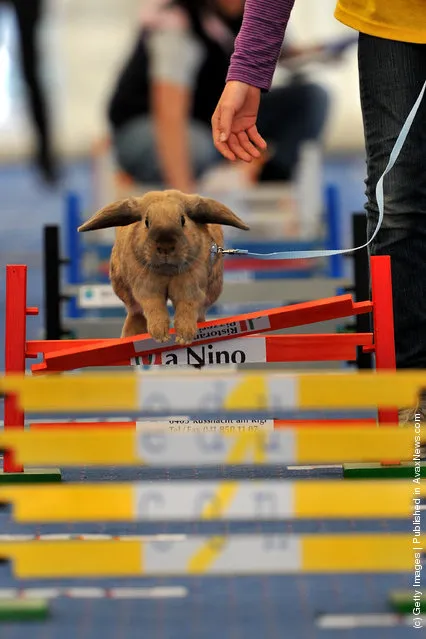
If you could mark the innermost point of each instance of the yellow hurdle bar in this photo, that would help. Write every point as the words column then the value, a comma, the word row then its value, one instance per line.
column 212, row 500
column 220, row 555
column 178, row 393
column 287, row 446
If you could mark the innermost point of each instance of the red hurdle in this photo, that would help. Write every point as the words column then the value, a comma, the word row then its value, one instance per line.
column 278, row 348
column 109, row 352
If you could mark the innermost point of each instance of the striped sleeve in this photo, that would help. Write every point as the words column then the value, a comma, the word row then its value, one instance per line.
column 258, row 44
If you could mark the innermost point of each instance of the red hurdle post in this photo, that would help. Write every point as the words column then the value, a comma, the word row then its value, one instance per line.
column 383, row 325
column 15, row 340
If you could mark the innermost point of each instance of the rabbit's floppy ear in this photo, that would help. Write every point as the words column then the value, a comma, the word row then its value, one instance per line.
column 205, row 210
column 121, row 213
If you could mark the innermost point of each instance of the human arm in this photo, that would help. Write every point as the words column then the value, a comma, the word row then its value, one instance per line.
column 256, row 52
column 259, row 42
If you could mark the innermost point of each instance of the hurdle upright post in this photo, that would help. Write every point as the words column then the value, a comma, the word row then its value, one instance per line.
column 73, row 248
column 383, row 324
column 385, row 359
column 52, row 286
column 15, row 338
column 15, row 357
column 361, row 272
column 335, row 266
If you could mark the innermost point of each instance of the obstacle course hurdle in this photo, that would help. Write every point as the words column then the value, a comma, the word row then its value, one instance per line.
column 228, row 328
column 111, row 352
column 125, row 447
column 234, row 394
column 192, row 501
column 15, row 357
column 221, row 555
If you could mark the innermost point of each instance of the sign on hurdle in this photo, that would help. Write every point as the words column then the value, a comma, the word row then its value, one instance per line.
column 188, row 424
column 247, row 500
column 181, row 424
column 212, row 555
column 254, row 349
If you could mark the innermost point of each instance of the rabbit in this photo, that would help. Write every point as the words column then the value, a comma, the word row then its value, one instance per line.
column 164, row 252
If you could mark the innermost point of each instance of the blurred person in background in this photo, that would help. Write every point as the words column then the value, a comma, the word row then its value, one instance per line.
column 162, row 105
column 29, row 14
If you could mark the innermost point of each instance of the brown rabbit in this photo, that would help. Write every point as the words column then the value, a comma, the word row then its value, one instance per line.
column 165, row 252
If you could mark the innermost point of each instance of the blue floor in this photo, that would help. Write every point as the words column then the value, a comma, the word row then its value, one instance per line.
column 225, row 608
column 231, row 608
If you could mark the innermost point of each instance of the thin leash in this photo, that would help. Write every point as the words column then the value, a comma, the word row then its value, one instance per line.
column 295, row 255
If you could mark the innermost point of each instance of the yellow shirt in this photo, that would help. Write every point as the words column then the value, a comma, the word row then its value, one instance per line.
column 403, row 20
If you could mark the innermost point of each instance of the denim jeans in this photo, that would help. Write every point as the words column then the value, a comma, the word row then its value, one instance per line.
column 287, row 117
column 391, row 76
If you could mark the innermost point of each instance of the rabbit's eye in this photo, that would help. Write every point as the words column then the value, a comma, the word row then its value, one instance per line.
column 182, row 220
column 147, row 223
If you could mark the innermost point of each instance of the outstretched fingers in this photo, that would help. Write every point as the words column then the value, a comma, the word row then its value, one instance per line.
column 247, row 145
column 221, row 125
column 256, row 138
column 238, row 147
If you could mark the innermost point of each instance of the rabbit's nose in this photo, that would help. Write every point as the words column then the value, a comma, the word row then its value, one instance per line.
column 165, row 248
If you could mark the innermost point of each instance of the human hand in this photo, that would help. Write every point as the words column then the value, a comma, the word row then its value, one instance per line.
column 234, row 128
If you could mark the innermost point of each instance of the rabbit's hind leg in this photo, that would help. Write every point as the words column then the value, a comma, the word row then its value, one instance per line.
column 135, row 323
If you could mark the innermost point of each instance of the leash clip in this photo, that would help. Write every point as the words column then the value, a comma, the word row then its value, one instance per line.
column 234, row 251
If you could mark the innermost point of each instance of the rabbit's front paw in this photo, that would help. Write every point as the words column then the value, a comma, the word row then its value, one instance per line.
column 185, row 334
column 159, row 331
